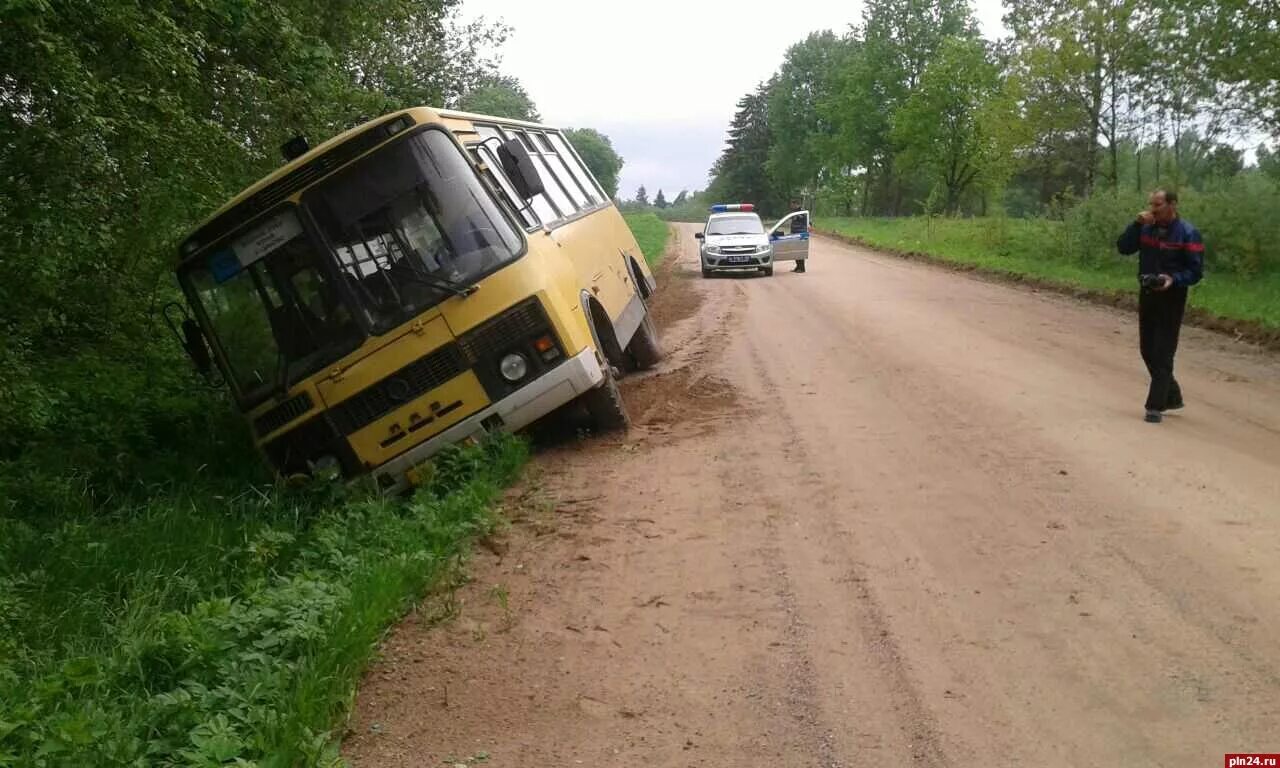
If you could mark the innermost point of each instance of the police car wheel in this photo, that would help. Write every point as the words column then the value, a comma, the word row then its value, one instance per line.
column 706, row 272
column 768, row 271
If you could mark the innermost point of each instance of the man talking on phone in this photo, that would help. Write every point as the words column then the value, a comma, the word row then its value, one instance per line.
column 1170, row 260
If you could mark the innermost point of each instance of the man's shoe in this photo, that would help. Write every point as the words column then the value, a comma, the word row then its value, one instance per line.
column 1154, row 416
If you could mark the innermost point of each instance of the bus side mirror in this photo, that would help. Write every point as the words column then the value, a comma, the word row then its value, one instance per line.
column 194, row 344
column 519, row 167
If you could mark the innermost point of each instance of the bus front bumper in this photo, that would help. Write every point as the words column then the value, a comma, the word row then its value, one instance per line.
column 560, row 385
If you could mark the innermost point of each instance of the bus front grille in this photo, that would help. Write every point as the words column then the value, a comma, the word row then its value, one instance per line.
column 408, row 383
column 282, row 414
column 493, row 338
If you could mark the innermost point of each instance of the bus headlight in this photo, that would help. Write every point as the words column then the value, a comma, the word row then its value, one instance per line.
column 514, row 367
column 326, row 469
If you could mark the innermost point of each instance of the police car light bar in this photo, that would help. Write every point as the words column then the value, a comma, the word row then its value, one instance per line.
column 725, row 207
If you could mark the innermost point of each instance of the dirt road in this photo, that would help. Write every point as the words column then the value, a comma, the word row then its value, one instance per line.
column 876, row 514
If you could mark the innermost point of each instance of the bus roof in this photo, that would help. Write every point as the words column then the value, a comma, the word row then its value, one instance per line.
column 420, row 116
column 472, row 116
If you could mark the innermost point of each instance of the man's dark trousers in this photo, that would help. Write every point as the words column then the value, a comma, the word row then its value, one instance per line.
column 1159, row 320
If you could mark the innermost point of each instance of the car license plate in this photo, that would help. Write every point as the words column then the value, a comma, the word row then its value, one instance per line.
column 737, row 259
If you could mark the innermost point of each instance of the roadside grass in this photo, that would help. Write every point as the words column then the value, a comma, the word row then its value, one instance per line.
column 1025, row 248
column 203, row 628
column 651, row 233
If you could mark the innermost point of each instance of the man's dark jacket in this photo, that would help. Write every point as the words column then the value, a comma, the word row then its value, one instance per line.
column 1175, row 250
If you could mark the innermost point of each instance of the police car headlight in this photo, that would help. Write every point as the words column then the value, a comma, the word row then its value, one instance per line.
column 766, row 248
column 713, row 250
column 514, row 367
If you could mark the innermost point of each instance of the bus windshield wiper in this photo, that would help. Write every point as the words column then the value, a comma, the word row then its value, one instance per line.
column 457, row 289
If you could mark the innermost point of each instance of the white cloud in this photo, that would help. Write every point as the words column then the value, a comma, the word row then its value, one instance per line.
column 661, row 78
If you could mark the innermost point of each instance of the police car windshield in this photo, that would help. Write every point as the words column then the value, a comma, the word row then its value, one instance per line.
column 735, row 225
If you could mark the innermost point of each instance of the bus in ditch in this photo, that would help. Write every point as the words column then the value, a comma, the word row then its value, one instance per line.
column 424, row 278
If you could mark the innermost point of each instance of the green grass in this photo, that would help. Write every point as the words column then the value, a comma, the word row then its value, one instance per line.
column 1026, row 248
column 200, row 628
column 651, row 233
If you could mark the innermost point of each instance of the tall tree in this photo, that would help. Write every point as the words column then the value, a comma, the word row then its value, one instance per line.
column 642, row 196
column 881, row 65
column 800, row 130
column 959, row 125
column 1081, row 60
column 741, row 174
column 500, row 96
column 660, row 201
column 1234, row 42
column 598, row 153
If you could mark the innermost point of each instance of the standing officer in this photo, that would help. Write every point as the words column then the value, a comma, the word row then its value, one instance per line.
column 798, row 224
column 1170, row 260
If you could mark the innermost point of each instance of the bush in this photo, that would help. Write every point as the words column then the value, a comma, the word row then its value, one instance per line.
column 1091, row 226
column 1237, row 218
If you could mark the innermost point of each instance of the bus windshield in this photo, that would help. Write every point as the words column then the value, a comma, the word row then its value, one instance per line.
column 410, row 225
column 400, row 231
column 272, row 308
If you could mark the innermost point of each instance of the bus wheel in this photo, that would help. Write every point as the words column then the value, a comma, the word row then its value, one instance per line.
column 604, row 405
column 644, row 349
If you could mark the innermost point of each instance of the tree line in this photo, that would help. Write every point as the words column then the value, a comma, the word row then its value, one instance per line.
column 660, row 200
column 912, row 111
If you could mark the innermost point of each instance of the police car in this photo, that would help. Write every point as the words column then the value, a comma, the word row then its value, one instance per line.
column 735, row 239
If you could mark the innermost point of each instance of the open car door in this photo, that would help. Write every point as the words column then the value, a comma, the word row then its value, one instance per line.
column 790, row 237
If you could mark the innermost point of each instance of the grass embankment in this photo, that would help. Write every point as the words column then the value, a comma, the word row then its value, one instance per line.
column 651, row 234
column 197, row 627
column 1026, row 249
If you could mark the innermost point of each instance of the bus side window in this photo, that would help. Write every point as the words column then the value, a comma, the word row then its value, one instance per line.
column 551, row 185
column 576, row 167
column 560, row 170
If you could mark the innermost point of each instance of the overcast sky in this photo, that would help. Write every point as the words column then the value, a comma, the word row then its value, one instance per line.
column 661, row 78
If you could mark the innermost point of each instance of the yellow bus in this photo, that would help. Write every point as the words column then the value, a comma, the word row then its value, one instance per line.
column 421, row 279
